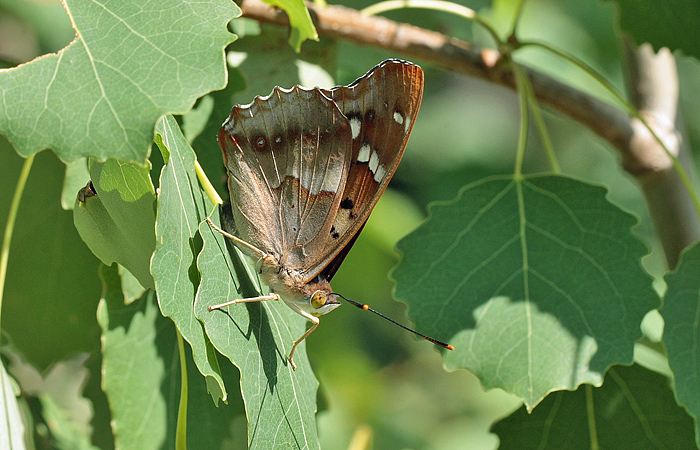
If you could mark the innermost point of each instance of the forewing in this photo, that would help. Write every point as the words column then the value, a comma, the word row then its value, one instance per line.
column 381, row 108
column 287, row 157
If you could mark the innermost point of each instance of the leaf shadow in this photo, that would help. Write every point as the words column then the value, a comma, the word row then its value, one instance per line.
column 267, row 347
column 259, row 316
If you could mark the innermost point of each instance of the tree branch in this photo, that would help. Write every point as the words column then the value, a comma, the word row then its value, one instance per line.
column 674, row 217
column 655, row 89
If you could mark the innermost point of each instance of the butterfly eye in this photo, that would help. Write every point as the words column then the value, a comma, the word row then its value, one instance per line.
column 319, row 299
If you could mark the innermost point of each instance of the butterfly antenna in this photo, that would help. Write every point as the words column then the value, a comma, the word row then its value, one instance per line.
column 367, row 308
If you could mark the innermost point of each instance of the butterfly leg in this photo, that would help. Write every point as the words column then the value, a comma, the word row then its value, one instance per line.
column 243, row 245
column 262, row 298
column 313, row 319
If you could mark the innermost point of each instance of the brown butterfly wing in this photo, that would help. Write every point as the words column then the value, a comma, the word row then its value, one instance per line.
column 306, row 167
column 381, row 107
column 287, row 157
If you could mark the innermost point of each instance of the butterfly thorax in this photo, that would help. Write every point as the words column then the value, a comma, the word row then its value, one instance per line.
column 315, row 297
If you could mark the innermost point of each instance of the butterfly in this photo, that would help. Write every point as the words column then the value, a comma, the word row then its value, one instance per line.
column 305, row 169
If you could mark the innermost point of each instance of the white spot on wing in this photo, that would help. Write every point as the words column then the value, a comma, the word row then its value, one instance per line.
column 379, row 175
column 374, row 162
column 398, row 117
column 363, row 157
column 355, row 125
column 408, row 124
column 331, row 179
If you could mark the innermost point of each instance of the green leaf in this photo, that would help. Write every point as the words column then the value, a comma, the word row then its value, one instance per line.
column 257, row 338
column 141, row 377
column 182, row 205
column 11, row 425
column 118, row 224
column 209, row 425
column 299, row 19
column 51, row 287
column 131, row 287
column 634, row 409
column 65, row 433
column 670, row 23
column 682, row 330
column 537, row 282
column 131, row 63
column 138, row 349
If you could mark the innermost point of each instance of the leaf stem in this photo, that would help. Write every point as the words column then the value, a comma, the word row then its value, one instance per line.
column 541, row 127
column 181, row 432
column 521, row 82
column 10, row 226
column 590, row 414
column 517, row 16
column 206, row 184
column 436, row 5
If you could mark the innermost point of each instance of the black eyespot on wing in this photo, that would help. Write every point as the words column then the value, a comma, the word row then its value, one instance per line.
column 260, row 143
column 347, row 204
column 335, row 235
column 369, row 115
